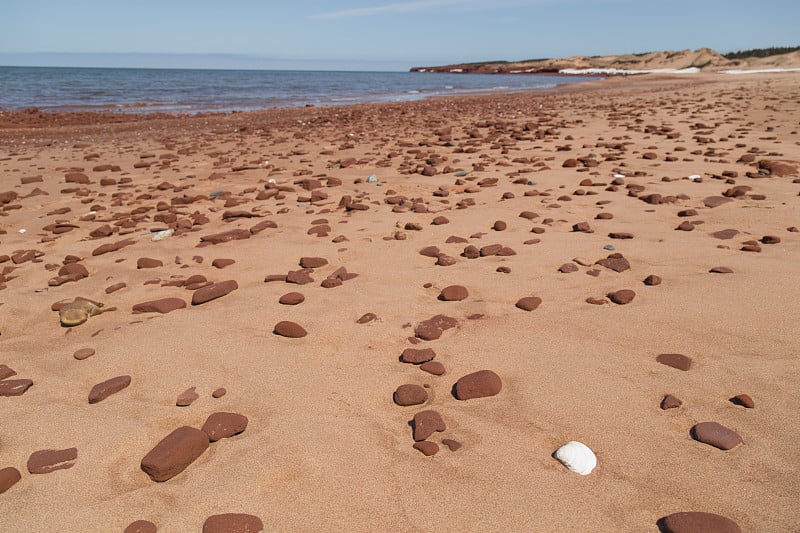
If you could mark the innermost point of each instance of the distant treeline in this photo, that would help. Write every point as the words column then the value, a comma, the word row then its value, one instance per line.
column 761, row 52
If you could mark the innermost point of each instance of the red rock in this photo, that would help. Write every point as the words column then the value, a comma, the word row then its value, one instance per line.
column 615, row 262
column 652, row 280
column 14, row 387
column 8, row 478
column 226, row 236
column 432, row 328
column 743, row 400
column 46, row 461
column 223, row 425
column 670, row 402
column 213, row 291
column 367, row 318
column 425, row 423
column 685, row 226
column 417, row 356
column 620, row 235
column 313, row 262
column 410, row 395
column 440, row 220
column 528, row 303
column 6, row 372
column 112, row 247
column 187, row 397
column 717, row 435
column 582, row 227
column 299, row 277
column 770, row 239
column 453, row 293
column 289, row 329
column 675, row 360
column 721, row 270
column 621, row 297
column 715, row 201
column 76, row 177
column 103, row 390
column 499, row 225
column 222, row 263
column 491, row 249
column 433, row 367
column 261, row 226
column 478, row 385
column 147, row 262
column 596, row 301
column 164, row 305
column 725, row 234
column 174, row 453
column 141, row 526
column 778, row 168
column 219, row 393
column 568, row 268
column 430, row 251
column 291, row 298
column 233, row 523
column 427, row 448
column 115, row 287
column 697, row 522
column 454, row 445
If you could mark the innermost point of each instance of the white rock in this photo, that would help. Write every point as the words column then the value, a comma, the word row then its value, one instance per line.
column 695, row 177
column 163, row 234
column 577, row 457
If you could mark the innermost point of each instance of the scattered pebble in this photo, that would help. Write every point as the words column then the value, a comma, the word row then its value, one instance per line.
column 528, row 303
column 427, row 448
column 187, row 397
column 224, row 425
column 478, row 385
column 697, row 522
column 103, row 390
column 8, row 478
column 406, row 395
column 83, row 353
column 288, row 329
column 670, row 402
column 621, row 297
column 425, row 423
column 233, row 523
column 743, row 400
column 675, row 360
column 46, row 461
column 174, row 453
column 715, row 434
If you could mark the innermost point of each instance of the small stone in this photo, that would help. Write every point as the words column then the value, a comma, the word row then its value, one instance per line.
column 652, row 280
column 620, row 235
column 291, row 298
column 454, row 445
column 528, row 303
column 174, row 453
column 83, row 353
column 233, row 523
column 615, row 262
column 670, row 402
column 8, row 478
column 141, row 526
column 721, row 270
column 770, row 239
column 164, row 305
column 6, row 372
column 14, row 387
column 313, row 262
column 213, row 291
column 675, row 360
column 582, row 227
column 366, row 318
column 288, row 329
column 743, row 400
column 453, row 293
column 187, row 397
column 410, row 395
column 433, row 367
column 445, row 260
column 716, row 435
column 115, row 287
column 103, row 390
column 596, row 301
column 425, row 423
column 222, row 263
column 621, row 297
column 697, row 522
column 568, row 268
column 478, row 385
column 224, row 425
column 440, row 220
column 417, row 356
column 427, row 448
column 499, row 225
column 725, row 234
column 219, row 393
column 46, row 461
column 147, row 262
column 715, row 201
column 685, row 226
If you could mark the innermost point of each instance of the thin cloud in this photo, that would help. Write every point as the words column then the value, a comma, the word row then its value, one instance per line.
column 424, row 5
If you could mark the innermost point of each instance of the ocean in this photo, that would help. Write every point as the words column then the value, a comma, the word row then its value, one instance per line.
column 197, row 91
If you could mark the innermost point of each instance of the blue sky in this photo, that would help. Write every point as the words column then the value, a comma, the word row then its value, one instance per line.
column 375, row 35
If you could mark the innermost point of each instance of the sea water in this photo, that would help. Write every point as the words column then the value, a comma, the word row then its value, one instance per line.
column 195, row 91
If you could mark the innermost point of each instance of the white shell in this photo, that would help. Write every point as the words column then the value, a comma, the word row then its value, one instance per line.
column 577, row 457
column 695, row 177
column 163, row 234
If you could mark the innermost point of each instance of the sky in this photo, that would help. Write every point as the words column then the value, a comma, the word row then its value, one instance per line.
column 375, row 35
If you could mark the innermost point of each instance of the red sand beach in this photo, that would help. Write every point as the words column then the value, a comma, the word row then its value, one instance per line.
column 343, row 272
